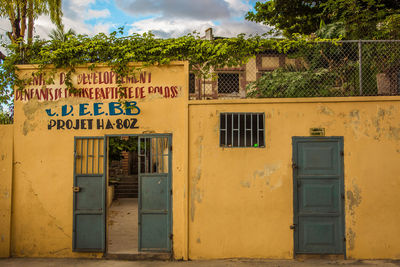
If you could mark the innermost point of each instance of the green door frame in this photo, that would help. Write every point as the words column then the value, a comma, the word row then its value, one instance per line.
column 169, row 136
column 295, row 161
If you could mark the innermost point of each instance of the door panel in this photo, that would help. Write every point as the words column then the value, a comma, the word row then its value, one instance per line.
column 318, row 159
column 319, row 234
column 89, row 195
column 318, row 196
column 318, row 191
column 155, row 193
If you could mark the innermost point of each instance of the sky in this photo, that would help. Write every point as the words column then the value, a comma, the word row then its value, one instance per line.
column 165, row 18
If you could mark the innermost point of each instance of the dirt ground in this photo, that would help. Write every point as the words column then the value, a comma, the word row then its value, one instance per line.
column 14, row 262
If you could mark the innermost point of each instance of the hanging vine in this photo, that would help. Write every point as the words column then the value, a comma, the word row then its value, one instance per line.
column 117, row 51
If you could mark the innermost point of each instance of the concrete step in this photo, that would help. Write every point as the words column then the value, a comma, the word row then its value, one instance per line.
column 126, row 186
column 126, row 195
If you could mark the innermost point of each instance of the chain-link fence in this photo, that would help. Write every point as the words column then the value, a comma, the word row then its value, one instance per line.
column 347, row 68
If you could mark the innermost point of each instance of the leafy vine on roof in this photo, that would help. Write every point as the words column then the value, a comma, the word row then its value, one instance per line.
column 117, row 51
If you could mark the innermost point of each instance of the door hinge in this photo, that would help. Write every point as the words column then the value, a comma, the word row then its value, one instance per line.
column 342, row 195
column 293, row 226
column 344, row 239
column 342, row 153
column 170, row 191
column 170, row 148
column 294, row 166
column 171, row 236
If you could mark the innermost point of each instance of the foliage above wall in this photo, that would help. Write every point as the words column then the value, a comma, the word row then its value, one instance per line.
column 117, row 51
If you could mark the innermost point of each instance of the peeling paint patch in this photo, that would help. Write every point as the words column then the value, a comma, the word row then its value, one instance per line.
column 326, row 111
column 198, row 240
column 351, row 237
column 3, row 157
column 5, row 195
column 196, row 195
column 353, row 198
column 245, row 184
column 394, row 133
column 272, row 181
column 355, row 114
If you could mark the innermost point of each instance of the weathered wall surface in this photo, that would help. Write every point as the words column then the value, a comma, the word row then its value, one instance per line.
column 6, row 166
column 241, row 199
column 44, row 148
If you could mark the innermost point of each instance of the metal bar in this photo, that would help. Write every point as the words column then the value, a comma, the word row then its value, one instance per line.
column 238, row 129
column 251, row 127
column 162, row 154
column 245, row 131
column 93, row 155
column 98, row 157
column 145, row 156
column 81, row 156
column 139, row 156
column 360, row 66
column 151, row 156
column 232, row 129
column 87, row 154
column 226, row 129
column 157, row 159
column 258, row 128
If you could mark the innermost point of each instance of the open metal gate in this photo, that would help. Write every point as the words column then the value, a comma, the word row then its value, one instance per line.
column 155, row 193
column 89, row 206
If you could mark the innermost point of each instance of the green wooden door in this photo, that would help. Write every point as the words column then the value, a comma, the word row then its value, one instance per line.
column 318, row 195
column 89, row 194
column 155, row 231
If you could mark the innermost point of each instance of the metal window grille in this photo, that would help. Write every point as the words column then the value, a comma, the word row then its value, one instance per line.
column 242, row 130
column 228, row 83
column 192, row 83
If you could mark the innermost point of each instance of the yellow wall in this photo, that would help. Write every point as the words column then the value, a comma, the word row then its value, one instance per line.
column 241, row 199
column 227, row 202
column 43, row 178
column 6, row 164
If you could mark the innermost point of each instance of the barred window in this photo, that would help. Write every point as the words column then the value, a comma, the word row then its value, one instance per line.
column 242, row 130
column 228, row 83
column 192, row 83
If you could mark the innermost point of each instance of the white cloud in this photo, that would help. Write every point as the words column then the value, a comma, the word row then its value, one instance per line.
column 95, row 14
column 169, row 27
column 165, row 28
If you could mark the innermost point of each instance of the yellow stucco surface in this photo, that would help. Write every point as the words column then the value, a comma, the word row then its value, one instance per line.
column 6, row 164
column 241, row 199
column 43, row 175
column 227, row 202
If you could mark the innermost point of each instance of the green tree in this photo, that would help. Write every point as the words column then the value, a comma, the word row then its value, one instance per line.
column 22, row 13
column 355, row 19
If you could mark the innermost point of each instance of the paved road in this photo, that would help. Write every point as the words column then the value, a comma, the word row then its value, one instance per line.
column 14, row 262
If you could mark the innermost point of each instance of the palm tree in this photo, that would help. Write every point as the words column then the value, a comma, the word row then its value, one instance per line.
column 60, row 35
column 19, row 11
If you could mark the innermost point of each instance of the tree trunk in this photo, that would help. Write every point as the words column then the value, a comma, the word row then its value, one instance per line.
column 23, row 19
column 30, row 21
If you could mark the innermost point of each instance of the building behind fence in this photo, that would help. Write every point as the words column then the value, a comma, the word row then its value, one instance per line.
column 345, row 68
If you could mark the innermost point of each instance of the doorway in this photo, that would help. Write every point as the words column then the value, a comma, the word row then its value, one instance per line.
column 139, row 182
column 123, row 195
column 318, row 187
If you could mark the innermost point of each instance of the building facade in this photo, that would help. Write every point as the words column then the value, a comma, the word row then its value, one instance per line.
column 237, row 178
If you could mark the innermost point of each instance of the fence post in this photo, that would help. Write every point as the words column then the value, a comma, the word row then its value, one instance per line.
column 360, row 67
